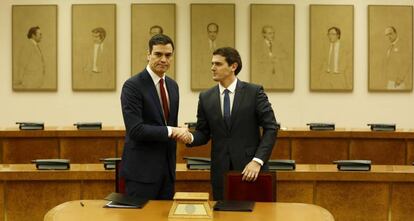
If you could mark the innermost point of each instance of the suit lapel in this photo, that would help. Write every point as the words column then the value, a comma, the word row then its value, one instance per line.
column 238, row 97
column 153, row 91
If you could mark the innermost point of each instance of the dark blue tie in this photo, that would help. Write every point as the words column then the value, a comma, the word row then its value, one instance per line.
column 226, row 107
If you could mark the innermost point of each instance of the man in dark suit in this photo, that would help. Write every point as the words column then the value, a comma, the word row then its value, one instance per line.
column 150, row 106
column 231, row 114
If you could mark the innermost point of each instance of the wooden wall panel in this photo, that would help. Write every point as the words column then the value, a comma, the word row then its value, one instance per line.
column 87, row 150
column 120, row 147
column 294, row 191
column 23, row 150
column 402, row 202
column 96, row 189
column 380, row 151
column 282, row 149
column 30, row 200
column 318, row 150
column 410, row 151
column 2, row 204
column 193, row 186
column 200, row 151
column 365, row 201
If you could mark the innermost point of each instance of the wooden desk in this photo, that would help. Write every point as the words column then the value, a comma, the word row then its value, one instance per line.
column 302, row 145
column 158, row 210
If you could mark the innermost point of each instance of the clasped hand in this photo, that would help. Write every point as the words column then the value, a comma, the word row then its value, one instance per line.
column 181, row 134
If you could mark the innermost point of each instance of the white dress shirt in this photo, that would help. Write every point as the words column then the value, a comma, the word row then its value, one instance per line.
column 156, row 79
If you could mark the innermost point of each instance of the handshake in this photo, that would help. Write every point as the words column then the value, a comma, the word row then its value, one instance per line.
column 181, row 134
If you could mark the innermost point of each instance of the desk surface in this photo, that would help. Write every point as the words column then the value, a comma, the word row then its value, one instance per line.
column 158, row 210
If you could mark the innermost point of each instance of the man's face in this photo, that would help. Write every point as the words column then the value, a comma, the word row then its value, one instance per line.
column 390, row 34
column 155, row 31
column 37, row 37
column 160, row 58
column 269, row 34
column 96, row 38
column 212, row 32
column 333, row 36
column 220, row 69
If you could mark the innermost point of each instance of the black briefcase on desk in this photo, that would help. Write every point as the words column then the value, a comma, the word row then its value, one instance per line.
column 321, row 126
column 282, row 164
column 31, row 125
column 52, row 164
column 353, row 165
column 198, row 163
column 88, row 125
column 382, row 127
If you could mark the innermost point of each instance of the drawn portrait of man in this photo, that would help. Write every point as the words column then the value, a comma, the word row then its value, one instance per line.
column 396, row 70
column 31, row 66
column 34, row 47
column 272, row 46
column 212, row 27
column 331, row 47
column 390, row 48
column 93, row 47
column 335, row 67
column 144, row 25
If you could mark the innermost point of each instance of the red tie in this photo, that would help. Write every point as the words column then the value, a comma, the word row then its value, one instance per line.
column 164, row 100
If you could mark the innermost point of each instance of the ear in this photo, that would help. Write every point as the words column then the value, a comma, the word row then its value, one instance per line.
column 234, row 66
column 148, row 55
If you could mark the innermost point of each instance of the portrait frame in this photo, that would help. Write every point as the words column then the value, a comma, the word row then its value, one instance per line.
column 272, row 60
column 94, row 47
column 142, row 24
column 390, row 48
column 212, row 27
column 34, row 59
column 331, row 43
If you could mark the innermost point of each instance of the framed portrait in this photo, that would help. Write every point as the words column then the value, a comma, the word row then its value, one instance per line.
column 212, row 27
column 331, row 47
column 390, row 48
column 34, row 47
column 93, row 47
column 272, row 46
column 144, row 25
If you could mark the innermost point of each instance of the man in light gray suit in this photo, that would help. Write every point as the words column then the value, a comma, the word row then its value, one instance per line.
column 232, row 114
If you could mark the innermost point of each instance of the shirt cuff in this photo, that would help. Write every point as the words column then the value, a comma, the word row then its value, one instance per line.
column 192, row 138
column 258, row 161
column 169, row 131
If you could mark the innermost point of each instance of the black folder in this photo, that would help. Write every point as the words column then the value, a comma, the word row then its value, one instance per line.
column 321, row 126
column 382, row 127
column 88, row 125
column 353, row 165
column 119, row 200
column 52, row 164
column 110, row 163
column 31, row 125
column 198, row 163
column 229, row 205
column 282, row 164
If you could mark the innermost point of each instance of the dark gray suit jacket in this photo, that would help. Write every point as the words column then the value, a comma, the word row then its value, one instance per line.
column 243, row 141
column 148, row 151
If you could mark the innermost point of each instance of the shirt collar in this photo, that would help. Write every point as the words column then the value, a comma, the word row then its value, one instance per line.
column 231, row 87
column 34, row 42
column 155, row 77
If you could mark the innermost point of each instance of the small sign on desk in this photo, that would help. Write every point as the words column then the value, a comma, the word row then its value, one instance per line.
column 191, row 205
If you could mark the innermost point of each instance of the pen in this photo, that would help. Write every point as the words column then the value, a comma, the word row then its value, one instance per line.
column 82, row 204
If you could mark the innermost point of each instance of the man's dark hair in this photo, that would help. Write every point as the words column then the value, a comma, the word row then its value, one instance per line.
column 337, row 30
column 32, row 31
column 101, row 31
column 159, row 39
column 393, row 29
column 232, row 56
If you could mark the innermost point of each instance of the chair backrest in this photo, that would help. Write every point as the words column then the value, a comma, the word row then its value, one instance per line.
column 261, row 190
column 119, row 180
